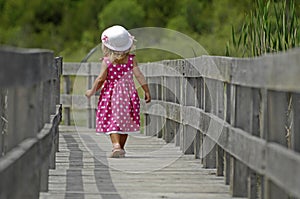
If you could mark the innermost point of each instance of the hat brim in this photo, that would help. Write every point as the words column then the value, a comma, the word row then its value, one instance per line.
column 119, row 49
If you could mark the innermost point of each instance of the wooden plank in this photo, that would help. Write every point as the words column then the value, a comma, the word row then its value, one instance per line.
column 170, row 130
column 263, row 113
column 188, row 138
column 262, row 72
column 252, row 185
column 75, row 68
column 189, row 133
column 160, row 95
column 95, row 68
column 170, row 92
column 23, row 67
column 180, row 177
column 67, row 90
column 18, row 117
column 220, row 161
column 277, row 108
column 227, row 102
column 220, row 109
column 209, row 148
column 177, row 90
column 210, row 96
column 255, row 112
column 239, row 118
column 46, row 102
column 210, row 105
column 277, row 120
column 91, row 110
column 238, row 178
column 3, row 120
column 227, row 168
column 227, row 113
column 22, row 165
column 244, row 109
column 213, row 67
column 295, row 134
column 197, row 145
column 147, row 129
column 190, row 96
column 162, row 122
column 283, row 168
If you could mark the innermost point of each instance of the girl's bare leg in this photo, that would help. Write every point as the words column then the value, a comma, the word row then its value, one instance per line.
column 115, row 138
column 117, row 151
column 123, row 138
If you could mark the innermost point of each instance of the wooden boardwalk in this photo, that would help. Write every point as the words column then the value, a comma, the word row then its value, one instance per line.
column 151, row 169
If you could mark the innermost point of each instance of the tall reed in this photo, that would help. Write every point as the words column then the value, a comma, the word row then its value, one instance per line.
column 270, row 27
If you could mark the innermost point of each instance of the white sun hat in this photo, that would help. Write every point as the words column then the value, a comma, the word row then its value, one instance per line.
column 117, row 38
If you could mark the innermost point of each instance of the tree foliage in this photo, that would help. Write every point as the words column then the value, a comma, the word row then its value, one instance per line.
column 126, row 12
column 72, row 27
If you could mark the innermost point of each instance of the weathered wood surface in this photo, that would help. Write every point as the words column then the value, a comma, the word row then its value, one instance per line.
column 30, row 114
column 152, row 169
column 244, row 107
column 234, row 114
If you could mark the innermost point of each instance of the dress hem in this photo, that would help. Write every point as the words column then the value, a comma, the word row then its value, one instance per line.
column 119, row 132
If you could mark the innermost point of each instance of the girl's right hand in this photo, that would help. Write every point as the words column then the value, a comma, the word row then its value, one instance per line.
column 147, row 97
column 88, row 93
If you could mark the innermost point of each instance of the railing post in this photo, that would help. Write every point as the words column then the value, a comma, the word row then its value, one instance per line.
column 91, row 114
column 67, row 90
column 210, row 106
column 56, row 101
column 189, row 133
column 59, row 67
column 277, row 108
column 221, row 114
column 147, row 120
column 198, row 104
column 152, row 120
column 159, row 93
column 238, row 184
column 178, row 101
column 227, row 112
column 295, row 131
column 3, row 120
column 242, row 118
column 170, row 126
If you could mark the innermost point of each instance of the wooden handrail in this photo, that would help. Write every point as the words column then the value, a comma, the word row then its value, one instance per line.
column 30, row 87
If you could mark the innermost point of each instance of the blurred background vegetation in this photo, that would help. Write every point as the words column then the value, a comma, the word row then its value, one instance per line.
column 71, row 28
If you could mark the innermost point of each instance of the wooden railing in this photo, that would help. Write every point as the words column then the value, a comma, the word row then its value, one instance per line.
column 30, row 114
column 241, row 116
column 77, row 78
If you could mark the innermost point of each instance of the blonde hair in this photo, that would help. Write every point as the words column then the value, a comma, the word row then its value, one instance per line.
column 115, row 56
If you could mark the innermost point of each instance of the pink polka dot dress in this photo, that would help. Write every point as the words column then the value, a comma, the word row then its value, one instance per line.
column 119, row 104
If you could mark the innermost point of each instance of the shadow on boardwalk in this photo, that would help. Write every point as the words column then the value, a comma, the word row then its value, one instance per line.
column 152, row 169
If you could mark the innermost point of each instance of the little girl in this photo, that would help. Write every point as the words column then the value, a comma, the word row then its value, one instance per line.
column 118, row 111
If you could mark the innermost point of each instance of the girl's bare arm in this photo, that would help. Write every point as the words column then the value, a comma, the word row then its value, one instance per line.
column 98, row 81
column 142, row 81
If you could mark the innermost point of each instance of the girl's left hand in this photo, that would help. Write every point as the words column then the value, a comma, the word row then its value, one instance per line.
column 147, row 97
